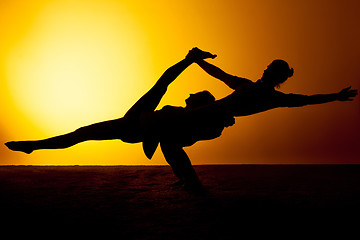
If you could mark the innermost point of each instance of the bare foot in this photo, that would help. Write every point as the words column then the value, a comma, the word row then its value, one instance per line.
column 179, row 183
column 22, row 146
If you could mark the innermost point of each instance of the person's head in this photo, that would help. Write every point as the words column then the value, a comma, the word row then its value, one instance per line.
column 276, row 73
column 199, row 99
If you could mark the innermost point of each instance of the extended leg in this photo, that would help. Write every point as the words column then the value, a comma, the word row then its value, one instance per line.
column 152, row 98
column 110, row 129
column 114, row 129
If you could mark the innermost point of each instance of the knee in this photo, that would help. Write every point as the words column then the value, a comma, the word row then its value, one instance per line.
column 159, row 88
column 80, row 130
column 81, row 133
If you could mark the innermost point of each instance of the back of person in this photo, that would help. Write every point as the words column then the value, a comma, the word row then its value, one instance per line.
column 184, row 126
column 252, row 98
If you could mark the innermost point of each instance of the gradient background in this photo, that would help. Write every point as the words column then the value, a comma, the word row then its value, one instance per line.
column 68, row 63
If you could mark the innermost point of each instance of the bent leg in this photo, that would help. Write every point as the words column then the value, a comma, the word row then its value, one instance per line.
column 181, row 165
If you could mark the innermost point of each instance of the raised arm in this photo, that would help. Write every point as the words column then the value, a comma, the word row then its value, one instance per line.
column 150, row 100
column 230, row 80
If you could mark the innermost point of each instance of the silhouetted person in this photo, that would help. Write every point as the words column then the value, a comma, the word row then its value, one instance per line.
column 250, row 98
column 175, row 127
column 203, row 118
column 254, row 97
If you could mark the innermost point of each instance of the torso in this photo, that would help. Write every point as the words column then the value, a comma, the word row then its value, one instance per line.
column 186, row 126
column 250, row 98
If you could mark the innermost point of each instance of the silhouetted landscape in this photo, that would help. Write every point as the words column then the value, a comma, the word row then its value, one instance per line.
column 136, row 202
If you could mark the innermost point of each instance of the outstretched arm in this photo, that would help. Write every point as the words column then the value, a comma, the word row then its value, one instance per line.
column 230, row 80
column 296, row 100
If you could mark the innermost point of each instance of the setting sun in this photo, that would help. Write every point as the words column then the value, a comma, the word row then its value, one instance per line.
column 67, row 64
column 101, row 100
column 76, row 64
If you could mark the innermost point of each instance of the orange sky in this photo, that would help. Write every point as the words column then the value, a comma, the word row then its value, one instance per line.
column 64, row 64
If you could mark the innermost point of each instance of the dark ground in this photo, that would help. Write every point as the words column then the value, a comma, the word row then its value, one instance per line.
column 135, row 202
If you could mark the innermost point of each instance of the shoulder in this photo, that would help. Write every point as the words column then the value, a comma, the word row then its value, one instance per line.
column 243, row 80
column 280, row 94
column 171, row 107
column 245, row 85
column 287, row 95
column 283, row 96
column 290, row 99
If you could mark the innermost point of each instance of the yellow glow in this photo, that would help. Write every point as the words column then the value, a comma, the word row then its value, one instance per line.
column 69, row 63
column 75, row 65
